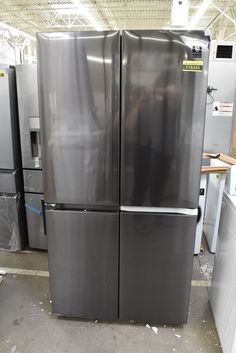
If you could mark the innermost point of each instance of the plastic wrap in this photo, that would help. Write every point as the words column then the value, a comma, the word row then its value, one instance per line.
column 10, row 206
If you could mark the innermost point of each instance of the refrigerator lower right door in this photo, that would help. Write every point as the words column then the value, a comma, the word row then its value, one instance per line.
column 83, row 263
column 156, row 256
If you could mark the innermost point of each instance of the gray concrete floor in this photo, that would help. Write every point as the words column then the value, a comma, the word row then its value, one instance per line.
column 27, row 325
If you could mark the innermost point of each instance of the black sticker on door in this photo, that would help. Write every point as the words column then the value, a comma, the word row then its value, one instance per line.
column 202, row 191
column 196, row 51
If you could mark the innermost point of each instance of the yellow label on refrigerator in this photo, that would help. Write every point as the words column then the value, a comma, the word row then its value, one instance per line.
column 192, row 65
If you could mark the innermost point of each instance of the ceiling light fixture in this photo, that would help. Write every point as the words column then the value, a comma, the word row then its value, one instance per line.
column 89, row 17
column 202, row 9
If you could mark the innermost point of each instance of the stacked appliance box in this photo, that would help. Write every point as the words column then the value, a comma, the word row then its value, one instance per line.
column 121, row 230
column 13, row 233
column 27, row 92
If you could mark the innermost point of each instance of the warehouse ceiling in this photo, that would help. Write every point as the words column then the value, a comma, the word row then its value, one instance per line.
column 31, row 16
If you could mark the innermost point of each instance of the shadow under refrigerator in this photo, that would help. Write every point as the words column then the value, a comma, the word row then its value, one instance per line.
column 28, row 107
column 122, row 126
column 13, row 235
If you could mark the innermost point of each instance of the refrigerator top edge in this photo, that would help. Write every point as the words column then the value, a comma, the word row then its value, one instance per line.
column 169, row 210
column 85, row 34
column 82, row 34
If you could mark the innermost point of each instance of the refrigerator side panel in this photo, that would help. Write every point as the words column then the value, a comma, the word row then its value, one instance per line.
column 156, row 256
column 163, row 112
column 79, row 109
column 83, row 263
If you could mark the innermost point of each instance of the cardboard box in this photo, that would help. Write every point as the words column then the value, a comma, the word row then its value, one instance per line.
column 230, row 184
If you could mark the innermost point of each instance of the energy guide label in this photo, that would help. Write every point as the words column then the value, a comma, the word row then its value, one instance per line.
column 192, row 65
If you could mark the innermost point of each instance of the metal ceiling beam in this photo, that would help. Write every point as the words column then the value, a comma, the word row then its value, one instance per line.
column 230, row 36
column 225, row 14
column 217, row 17
column 23, row 18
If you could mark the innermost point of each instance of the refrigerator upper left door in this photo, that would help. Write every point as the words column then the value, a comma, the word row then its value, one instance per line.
column 9, row 152
column 79, row 108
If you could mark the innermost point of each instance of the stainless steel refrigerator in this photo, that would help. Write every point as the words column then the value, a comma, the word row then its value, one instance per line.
column 122, row 124
column 13, row 234
column 30, row 137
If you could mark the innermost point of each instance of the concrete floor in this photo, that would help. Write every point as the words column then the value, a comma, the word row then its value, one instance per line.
column 27, row 325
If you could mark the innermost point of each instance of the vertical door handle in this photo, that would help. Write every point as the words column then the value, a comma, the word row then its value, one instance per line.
column 44, row 218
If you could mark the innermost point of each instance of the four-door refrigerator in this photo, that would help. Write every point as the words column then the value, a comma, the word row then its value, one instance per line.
column 122, row 127
column 30, row 136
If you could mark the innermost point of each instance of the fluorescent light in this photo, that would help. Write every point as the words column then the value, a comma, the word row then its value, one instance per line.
column 84, row 12
column 202, row 9
column 15, row 32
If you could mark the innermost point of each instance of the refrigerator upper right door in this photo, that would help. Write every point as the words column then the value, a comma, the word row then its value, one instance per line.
column 79, row 110
column 164, row 80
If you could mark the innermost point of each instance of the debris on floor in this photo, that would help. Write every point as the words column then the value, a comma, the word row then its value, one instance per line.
column 1, row 279
column 2, row 273
column 206, row 270
column 148, row 326
column 13, row 349
column 155, row 329
column 178, row 336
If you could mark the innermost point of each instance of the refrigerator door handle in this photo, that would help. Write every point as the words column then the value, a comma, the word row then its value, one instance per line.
column 44, row 218
column 184, row 211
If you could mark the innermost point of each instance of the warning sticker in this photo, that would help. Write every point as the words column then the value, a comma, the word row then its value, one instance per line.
column 192, row 65
column 2, row 73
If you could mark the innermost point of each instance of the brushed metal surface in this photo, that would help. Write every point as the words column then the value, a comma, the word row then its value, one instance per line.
column 156, row 255
column 79, row 109
column 37, row 238
column 33, row 180
column 28, row 107
column 9, row 134
column 83, row 263
column 163, row 112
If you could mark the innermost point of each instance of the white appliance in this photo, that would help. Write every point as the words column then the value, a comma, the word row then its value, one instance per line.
column 220, row 100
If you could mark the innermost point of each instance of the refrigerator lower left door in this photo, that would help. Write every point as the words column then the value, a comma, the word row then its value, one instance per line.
column 156, row 256
column 83, row 263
